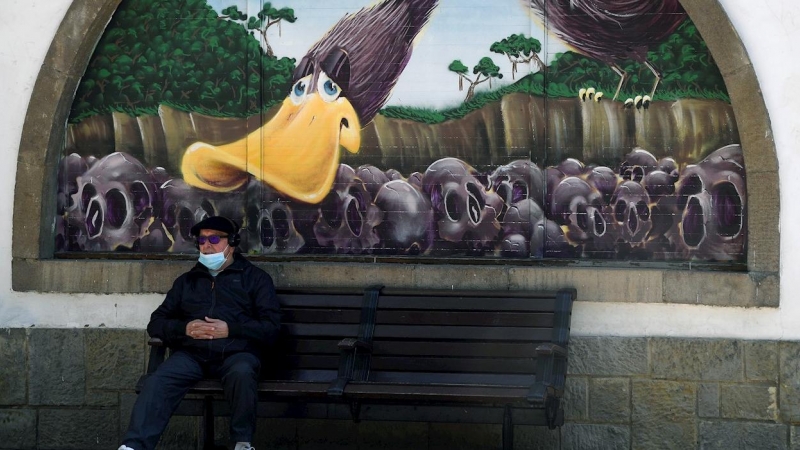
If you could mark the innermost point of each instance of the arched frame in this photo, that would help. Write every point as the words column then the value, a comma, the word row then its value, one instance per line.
column 35, row 269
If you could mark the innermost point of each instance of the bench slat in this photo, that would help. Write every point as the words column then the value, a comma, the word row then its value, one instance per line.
column 337, row 315
column 457, row 365
column 465, row 349
column 290, row 345
column 519, row 380
column 320, row 301
column 461, row 333
column 466, row 303
column 474, row 318
column 413, row 292
column 322, row 329
column 459, row 393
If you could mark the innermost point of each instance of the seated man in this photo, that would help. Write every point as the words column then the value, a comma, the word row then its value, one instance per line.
column 217, row 319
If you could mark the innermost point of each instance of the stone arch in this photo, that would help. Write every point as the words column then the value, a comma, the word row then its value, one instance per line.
column 35, row 269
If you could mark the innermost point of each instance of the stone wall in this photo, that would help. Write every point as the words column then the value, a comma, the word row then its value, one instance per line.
column 73, row 389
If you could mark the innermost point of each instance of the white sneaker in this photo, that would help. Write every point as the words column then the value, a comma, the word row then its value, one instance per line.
column 124, row 447
column 239, row 446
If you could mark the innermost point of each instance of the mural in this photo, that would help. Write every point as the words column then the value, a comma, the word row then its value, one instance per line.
column 580, row 129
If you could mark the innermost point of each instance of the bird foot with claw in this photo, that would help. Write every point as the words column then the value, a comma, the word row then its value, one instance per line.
column 640, row 102
column 590, row 94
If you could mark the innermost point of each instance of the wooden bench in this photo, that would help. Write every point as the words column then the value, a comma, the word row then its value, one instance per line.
column 410, row 355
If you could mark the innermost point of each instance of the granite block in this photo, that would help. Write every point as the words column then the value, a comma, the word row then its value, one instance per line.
column 57, row 371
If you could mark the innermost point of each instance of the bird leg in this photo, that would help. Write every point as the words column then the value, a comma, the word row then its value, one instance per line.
column 623, row 77
column 657, row 75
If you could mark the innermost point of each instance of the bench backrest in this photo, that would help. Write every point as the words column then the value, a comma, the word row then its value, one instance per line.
column 465, row 337
column 312, row 324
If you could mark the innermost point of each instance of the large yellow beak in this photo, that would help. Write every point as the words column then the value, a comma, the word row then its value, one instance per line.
column 297, row 152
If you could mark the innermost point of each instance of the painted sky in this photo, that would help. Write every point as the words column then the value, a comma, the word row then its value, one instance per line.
column 459, row 29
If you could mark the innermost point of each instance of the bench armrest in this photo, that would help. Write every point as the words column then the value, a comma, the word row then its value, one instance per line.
column 550, row 349
column 158, row 352
column 354, row 343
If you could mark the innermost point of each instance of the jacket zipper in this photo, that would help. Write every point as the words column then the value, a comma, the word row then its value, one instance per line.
column 213, row 300
column 211, row 311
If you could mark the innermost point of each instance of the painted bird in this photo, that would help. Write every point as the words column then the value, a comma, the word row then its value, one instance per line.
column 338, row 87
column 611, row 30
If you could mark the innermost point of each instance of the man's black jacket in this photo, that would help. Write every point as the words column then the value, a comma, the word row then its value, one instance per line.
column 242, row 295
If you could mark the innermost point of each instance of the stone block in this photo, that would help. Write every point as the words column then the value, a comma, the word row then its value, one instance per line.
column 81, row 429
column 768, row 288
column 593, row 284
column 794, row 437
column 609, row 400
column 579, row 436
column 222, row 427
column 708, row 400
column 697, row 359
column 663, row 415
column 429, row 276
column 607, row 356
column 789, row 381
column 464, row 436
column 723, row 435
column 528, row 437
column 126, row 401
column 183, row 433
column 101, row 398
column 326, row 434
column 25, row 274
column 57, row 371
column 761, row 360
column 18, row 429
column 728, row 289
column 752, row 118
column 158, row 276
column 13, row 370
column 576, row 399
column 114, row 358
column 748, row 401
column 763, row 231
column 318, row 274
column 392, row 435
column 27, row 198
column 276, row 434
column 91, row 276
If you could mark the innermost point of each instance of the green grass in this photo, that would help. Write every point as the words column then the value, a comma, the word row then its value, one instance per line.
column 531, row 85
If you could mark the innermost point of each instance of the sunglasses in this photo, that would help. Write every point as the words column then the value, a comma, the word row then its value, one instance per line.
column 213, row 239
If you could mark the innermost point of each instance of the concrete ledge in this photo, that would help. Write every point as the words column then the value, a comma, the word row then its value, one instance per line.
column 596, row 285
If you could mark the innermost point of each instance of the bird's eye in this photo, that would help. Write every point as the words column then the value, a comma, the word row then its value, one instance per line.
column 328, row 90
column 300, row 89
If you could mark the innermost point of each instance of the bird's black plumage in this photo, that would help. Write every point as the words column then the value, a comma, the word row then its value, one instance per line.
column 365, row 52
column 611, row 30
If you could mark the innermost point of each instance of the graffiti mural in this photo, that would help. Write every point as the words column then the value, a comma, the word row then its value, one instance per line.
column 580, row 129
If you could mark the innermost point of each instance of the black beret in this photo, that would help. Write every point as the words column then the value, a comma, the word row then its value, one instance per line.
column 218, row 223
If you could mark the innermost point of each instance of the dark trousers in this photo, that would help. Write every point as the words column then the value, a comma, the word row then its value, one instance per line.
column 164, row 389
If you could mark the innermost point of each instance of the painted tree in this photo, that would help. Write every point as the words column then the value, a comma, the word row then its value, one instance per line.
column 684, row 60
column 173, row 52
column 268, row 17
column 485, row 68
column 233, row 13
column 519, row 49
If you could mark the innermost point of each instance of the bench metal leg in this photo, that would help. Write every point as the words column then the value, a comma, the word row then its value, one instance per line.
column 508, row 430
column 208, row 423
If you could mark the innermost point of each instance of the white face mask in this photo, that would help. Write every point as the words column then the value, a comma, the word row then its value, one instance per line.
column 213, row 261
